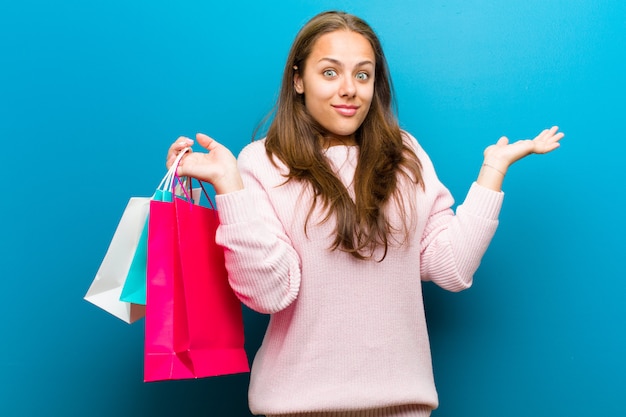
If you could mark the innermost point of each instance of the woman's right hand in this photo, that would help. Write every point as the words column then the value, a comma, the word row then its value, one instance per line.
column 218, row 166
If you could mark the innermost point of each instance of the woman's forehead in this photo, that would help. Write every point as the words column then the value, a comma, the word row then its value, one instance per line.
column 342, row 46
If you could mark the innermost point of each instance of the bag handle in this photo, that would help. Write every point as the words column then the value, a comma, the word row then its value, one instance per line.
column 167, row 182
column 172, row 177
column 184, row 188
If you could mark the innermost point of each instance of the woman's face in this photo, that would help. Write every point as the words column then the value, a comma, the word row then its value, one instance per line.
column 338, row 83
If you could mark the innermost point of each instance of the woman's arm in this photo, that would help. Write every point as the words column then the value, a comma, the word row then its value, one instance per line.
column 263, row 267
column 500, row 156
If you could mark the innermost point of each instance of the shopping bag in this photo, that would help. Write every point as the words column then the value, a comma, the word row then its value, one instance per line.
column 106, row 287
column 194, row 324
column 134, row 289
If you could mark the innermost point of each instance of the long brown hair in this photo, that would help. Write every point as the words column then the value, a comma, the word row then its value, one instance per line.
column 295, row 138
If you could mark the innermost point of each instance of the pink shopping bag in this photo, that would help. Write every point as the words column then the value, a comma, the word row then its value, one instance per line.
column 194, row 324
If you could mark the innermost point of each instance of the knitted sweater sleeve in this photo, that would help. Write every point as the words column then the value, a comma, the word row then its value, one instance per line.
column 263, row 267
column 453, row 244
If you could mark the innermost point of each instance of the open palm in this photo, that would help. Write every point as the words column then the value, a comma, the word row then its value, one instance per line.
column 506, row 153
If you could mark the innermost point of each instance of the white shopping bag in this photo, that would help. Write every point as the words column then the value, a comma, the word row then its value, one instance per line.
column 107, row 286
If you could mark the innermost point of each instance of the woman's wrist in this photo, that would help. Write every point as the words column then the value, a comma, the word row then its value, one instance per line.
column 496, row 163
column 492, row 173
column 493, row 167
column 228, row 183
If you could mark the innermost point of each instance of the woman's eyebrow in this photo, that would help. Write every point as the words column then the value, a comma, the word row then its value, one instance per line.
column 339, row 63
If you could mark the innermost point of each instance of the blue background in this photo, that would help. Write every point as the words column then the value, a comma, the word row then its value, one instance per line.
column 93, row 92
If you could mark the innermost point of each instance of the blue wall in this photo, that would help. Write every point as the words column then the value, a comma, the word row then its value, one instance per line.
column 93, row 92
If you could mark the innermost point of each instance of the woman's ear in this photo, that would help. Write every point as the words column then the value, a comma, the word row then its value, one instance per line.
column 298, row 85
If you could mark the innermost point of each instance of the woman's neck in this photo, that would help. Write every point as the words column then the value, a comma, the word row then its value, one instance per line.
column 333, row 140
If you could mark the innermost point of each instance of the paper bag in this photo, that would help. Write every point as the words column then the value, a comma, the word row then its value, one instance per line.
column 194, row 324
column 106, row 287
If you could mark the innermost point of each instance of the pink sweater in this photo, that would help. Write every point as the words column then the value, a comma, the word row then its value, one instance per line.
column 346, row 337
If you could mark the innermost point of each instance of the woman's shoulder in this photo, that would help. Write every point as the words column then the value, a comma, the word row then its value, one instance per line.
column 253, row 149
column 420, row 152
column 254, row 156
column 411, row 141
column 254, row 153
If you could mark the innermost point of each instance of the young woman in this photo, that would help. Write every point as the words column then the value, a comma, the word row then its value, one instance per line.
column 331, row 222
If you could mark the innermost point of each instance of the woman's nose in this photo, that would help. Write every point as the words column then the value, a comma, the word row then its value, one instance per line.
column 347, row 87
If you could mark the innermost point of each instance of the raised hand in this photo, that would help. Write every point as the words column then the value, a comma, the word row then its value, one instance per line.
column 503, row 153
column 218, row 166
column 500, row 156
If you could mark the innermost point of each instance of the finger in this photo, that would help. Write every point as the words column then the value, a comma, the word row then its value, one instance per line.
column 181, row 143
column 503, row 141
column 171, row 158
column 206, row 141
column 549, row 133
column 548, row 141
column 544, row 135
column 556, row 138
column 549, row 147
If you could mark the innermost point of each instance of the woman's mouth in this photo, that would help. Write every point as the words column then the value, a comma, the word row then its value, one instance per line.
column 345, row 109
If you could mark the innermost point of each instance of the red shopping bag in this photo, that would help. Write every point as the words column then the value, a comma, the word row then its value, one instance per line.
column 194, row 324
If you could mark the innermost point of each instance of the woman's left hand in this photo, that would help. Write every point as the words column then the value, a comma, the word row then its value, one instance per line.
column 502, row 154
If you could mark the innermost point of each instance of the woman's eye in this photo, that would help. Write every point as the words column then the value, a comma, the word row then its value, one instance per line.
column 330, row 73
column 362, row 76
